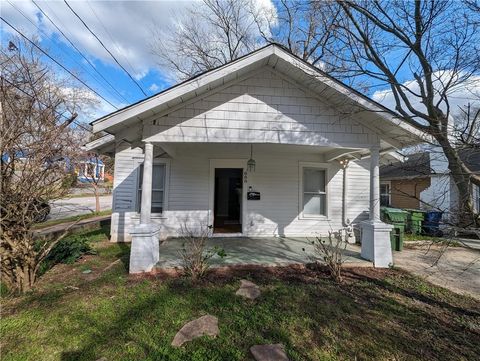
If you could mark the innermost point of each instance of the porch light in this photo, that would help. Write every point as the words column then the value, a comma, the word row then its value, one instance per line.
column 344, row 162
column 251, row 162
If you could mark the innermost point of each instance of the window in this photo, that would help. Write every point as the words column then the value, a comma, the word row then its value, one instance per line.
column 385, row 194
column 314, row 192
column 158, row 188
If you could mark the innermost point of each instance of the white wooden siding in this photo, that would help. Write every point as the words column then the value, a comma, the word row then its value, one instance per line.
column 264, row 108
column 276, row 178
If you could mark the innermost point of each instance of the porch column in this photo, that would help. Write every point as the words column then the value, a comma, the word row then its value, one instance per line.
column 376, row 245
column 144, row 252
column 146, row 207
column 374, row 184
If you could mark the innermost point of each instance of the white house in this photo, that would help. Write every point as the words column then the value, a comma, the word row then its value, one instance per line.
column 423, row 181
column 186, row 156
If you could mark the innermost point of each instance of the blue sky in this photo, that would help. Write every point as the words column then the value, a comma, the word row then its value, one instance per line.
column 124, row 27
column 126, row 30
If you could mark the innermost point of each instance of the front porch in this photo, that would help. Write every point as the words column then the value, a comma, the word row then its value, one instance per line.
column 264, row 251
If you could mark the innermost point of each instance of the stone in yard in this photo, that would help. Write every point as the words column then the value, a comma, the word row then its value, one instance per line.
column 274, row 352
column 205, row 325
column 248, row 290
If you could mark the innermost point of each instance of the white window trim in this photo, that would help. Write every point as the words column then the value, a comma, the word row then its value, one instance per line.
column 320, row 166
column 165, row 161
column 389, row 183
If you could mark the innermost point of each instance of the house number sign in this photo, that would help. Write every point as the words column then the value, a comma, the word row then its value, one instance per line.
column 253, row 196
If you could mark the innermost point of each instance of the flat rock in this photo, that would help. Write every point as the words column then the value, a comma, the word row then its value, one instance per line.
column 205, row 325
column 248, row 290
column 275, row 352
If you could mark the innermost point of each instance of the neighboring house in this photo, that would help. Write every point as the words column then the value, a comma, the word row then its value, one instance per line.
column 88, row 170
column 424, row 181
column 254, row 148
column 402, row 182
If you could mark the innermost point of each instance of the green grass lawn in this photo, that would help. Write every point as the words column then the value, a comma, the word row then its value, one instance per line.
column 80, row 217
column 373, row 315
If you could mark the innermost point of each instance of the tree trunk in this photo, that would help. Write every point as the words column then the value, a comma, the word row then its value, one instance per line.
column 461, row 176
column 97, row 198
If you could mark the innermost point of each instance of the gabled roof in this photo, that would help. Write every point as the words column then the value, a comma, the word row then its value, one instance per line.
column 279, row 58
column 419, row 165
column 416, row 166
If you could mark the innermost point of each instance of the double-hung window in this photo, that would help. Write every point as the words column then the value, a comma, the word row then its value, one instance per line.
column 314, row 192
column 385, row 194
column 158, row 188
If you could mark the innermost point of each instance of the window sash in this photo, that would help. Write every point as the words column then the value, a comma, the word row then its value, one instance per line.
column 157, row 204
column 385, row 194
column 314, row 192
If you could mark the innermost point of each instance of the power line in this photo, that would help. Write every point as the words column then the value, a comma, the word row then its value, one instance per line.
column 41, row 31
column 79, row 51
column 56, row 62
column 56, row 111
column 108, row 51
column 112, row 40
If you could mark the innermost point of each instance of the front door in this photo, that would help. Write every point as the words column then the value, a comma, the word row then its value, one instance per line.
column 227, row 210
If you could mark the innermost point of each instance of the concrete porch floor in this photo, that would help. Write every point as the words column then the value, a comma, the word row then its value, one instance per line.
column 266, row 251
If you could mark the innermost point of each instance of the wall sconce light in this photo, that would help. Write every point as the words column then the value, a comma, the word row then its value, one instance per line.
column 344, row 162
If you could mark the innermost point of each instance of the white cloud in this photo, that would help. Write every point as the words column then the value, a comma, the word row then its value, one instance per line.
column 460, row 95
column 154, row 87
column 125, row 27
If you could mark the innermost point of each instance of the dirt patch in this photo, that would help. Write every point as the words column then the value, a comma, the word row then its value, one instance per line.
column 295, row 273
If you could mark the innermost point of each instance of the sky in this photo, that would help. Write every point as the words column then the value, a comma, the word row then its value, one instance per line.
column 125, row 28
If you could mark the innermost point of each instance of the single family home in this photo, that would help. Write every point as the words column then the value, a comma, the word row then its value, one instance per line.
column 423, row 181
column 264, row 146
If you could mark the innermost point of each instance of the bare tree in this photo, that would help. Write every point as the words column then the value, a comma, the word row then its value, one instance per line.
column 467, row 127
column 219, row 31
column 38, row 111
column 210, row 34
column 424, row 51
column 305, row 28
column 93, row 164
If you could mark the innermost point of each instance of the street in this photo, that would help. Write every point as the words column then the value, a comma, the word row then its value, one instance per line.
column 68, row 207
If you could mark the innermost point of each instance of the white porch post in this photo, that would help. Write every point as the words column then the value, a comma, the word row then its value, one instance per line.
column 146, row 207
column 376, row 245
column 144, row 253
column 374, row 184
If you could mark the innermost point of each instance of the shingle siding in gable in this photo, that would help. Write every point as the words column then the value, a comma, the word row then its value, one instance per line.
column 264, row 107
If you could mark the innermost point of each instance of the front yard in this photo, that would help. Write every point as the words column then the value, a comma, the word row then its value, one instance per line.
column 93, row 309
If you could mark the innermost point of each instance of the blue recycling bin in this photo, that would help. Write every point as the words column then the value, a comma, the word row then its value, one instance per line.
column 431, row 224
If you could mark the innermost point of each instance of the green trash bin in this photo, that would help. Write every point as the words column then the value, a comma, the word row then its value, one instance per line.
column 399, row 219
column 396, row 237
column 415, row 221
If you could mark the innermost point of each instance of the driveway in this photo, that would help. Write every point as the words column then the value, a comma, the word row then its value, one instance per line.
column 68, row 207
column 457, row 269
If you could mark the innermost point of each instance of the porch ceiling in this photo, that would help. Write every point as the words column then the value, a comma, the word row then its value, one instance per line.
column 327, row 154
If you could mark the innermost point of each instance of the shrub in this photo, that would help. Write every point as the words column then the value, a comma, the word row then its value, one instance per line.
column 67, row 251
column 195, row 256
column 330, row 251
